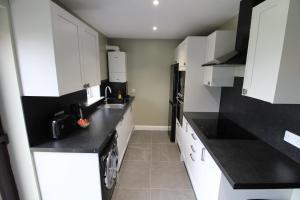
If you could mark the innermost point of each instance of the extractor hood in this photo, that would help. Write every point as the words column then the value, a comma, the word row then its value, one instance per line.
column 238, row 57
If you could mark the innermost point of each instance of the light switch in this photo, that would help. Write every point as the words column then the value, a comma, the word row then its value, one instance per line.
column 292, row 139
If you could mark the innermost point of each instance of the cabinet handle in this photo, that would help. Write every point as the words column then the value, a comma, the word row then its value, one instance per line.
column 193, row 136
column 244, row 91
column 87, row 85
column 192, row 158
column 208, row 83
column 193, row 148
column 203, row 155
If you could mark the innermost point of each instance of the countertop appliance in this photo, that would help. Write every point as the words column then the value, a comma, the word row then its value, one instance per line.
column 176, row 99
column 239, row 55
column 222, row 128
column 61, row 125
column 109, row 167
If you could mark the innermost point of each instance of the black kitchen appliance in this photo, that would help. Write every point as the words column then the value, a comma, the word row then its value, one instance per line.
column 180, row 96
column 61, row 125
column 8, row 188
column 77, row 111
column 239, row 55
column 109, row 167
column 222, row 128
column 177, row 79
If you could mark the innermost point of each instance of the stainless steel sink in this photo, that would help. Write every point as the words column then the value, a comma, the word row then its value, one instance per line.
column 113, row 106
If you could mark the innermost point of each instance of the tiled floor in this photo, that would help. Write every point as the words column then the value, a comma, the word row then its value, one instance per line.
column 152, row 170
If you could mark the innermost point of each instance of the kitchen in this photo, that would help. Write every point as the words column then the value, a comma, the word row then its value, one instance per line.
column 166, row 112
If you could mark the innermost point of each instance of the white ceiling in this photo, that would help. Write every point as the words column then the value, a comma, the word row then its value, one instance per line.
column 175, row 19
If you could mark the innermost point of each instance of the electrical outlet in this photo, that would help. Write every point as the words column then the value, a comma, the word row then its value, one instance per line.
column 292, row 139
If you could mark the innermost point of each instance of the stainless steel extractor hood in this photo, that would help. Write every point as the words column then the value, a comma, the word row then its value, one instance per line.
column 238, row 57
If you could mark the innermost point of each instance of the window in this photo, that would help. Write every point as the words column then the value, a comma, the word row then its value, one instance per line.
column 93, row 95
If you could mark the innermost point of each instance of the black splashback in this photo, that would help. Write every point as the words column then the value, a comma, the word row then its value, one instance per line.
column 115, row 87
column 267, row 121
column 39, row 110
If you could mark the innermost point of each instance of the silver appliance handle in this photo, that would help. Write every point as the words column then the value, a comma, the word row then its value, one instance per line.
column 54, row 134
column 181, row 102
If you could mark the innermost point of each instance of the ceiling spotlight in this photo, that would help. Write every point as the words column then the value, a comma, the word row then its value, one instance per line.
column 154, row 28
column 155, row 2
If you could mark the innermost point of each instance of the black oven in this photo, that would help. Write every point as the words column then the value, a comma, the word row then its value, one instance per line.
column 180, row 96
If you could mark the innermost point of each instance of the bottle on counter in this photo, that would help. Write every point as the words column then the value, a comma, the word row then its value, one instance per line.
column 120, row 97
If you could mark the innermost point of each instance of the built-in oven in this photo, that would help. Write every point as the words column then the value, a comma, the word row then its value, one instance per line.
column 180, row 96
column 180, row 103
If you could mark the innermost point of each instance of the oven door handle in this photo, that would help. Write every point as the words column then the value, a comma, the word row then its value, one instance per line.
column 179, row 101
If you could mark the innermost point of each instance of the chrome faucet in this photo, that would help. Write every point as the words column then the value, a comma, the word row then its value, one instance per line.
column 105, row 97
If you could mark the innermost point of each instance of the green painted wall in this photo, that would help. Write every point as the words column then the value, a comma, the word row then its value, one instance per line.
column 230, row 24
column 148, row 63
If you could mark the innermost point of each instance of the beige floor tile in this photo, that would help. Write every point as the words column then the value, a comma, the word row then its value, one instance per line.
column 159, row 137
column 169, row 175
column 146, row 146
column 129, row 194
column 137, row 154
column 158, row 194
column 140, row 138
column 134, row 175
column 165, row 152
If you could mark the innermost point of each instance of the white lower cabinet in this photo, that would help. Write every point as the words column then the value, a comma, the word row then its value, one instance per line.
column 64, row 176
column 124, row 130
column 206, row 177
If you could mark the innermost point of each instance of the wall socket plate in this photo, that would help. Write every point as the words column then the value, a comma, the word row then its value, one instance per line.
column 292, row 139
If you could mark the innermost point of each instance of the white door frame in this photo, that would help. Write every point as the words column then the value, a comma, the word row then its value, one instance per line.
column 12, row 112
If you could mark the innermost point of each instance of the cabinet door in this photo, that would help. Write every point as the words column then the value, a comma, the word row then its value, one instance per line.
column 67, row 51
column 121, row 141
column 212, row 177
column 179, row 137
column 195, row 163
column 210, row 47
column 182, row 54
column 265, row 49
column 89, row 46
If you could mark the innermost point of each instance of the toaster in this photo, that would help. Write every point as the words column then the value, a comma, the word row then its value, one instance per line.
column 62, row 125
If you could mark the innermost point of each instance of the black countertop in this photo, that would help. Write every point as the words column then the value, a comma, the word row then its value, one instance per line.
column 103, row 122
column 249, row 164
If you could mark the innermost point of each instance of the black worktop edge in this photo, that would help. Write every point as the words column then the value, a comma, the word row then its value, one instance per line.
column 229, row 179
column 82, row 150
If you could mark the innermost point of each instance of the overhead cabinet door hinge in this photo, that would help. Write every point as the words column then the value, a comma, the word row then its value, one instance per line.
column 3, row 139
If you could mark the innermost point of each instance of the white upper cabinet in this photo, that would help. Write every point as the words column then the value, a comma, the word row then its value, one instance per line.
column 90, row 56
column 272, row 70
column 218, row 44
column 181, row 55
column 57, row 53
column 67, row 51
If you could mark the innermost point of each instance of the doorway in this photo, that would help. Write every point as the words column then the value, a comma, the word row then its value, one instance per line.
column 8, row 188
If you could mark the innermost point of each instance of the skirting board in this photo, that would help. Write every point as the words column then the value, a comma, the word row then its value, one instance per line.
column 151, row 128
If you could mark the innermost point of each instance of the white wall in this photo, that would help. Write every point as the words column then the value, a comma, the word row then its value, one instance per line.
column 12, row 113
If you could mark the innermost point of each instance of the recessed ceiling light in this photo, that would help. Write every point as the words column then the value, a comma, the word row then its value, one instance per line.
column 155, row 2
column 154, row 28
